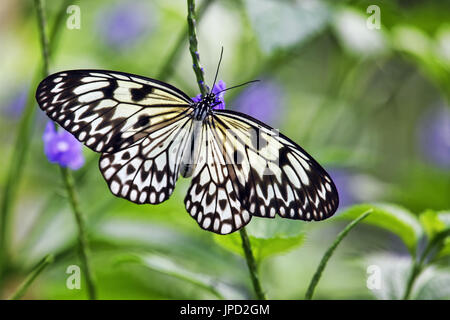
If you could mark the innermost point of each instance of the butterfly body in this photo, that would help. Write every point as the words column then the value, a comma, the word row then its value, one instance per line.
column 190, row 154
column 204, row 107
column 149, row 133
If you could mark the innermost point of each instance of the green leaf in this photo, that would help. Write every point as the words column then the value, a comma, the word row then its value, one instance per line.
column 444, row 216
column 445, row 250
column 390, row 217
column 431, row 223
column 267, row 237
column 437, row 228
column 444, row 235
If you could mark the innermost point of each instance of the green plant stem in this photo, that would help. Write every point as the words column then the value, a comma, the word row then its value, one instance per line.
column 48, row 259
column 193, row 48
column 65, row 173
column 252, row 265
column 169, row 66
column 315, row 279
column 42, row 27
column 82, row 235
column 419, row 265
column 416, row 270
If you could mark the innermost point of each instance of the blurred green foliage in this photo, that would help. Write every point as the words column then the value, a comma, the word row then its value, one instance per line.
column 361, row 101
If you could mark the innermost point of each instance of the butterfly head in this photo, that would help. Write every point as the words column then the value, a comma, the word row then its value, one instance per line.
column 210, row 99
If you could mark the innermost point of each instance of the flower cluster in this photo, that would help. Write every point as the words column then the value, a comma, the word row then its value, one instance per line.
column 62, row 148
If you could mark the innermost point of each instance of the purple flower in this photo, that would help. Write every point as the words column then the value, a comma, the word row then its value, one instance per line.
column 123, row 24
column 61, row 147
column 218, row 87
column 342, row 179
column 262, row 101
column 434, row 136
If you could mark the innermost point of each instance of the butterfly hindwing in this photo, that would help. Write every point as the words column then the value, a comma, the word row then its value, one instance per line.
column 146, row 172
column 275, row 174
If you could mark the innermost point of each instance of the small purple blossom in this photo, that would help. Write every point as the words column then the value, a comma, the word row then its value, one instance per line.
column 262, row 101
column 218, row 87
column 123, row 24
column 434, row 136
column 61, row 147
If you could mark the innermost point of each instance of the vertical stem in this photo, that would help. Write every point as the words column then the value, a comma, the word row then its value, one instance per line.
column 168, row 67
column 198, row 70
column 415, row 272
column 193, row 48
column 65, row 173
column 251, row 265
column 419, row 265
column 82, row 236
column 42, row 27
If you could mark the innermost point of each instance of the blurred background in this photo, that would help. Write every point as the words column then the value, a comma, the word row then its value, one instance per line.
column 363, row 86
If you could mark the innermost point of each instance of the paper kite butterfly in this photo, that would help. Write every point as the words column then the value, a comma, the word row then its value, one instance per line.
column 149, row 133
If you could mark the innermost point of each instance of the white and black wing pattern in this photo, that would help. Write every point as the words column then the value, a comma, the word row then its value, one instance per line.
column 274, row 174
column 213, row 198
column 140, row 126
column 146, row 171
column 108, row 110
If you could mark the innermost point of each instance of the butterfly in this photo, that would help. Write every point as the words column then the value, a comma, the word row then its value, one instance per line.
column 149, row 133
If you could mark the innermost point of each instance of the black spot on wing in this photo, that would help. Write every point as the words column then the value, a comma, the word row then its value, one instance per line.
column 138, row 94
column 143, row 121
column 109, row 90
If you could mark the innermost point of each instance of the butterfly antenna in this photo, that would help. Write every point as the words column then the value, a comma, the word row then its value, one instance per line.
column 239, row 85
column 218, row 67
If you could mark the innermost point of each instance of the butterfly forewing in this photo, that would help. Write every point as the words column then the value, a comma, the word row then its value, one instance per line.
column 108, row 110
